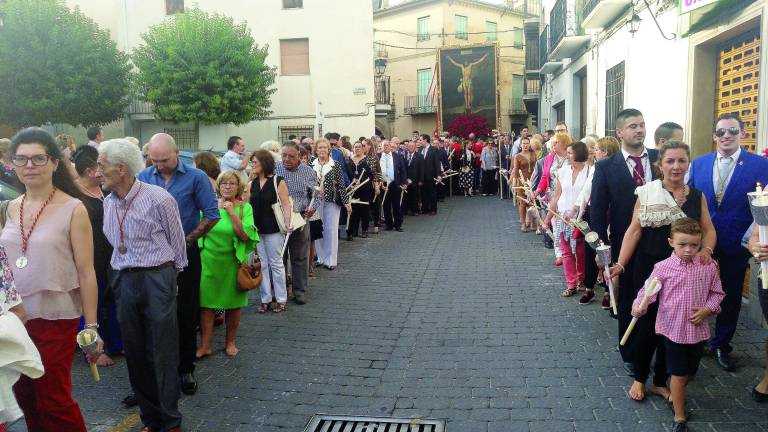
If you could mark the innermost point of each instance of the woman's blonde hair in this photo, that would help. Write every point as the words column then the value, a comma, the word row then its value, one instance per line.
column 65, row 141
column 563, row 138
column 323, row 141
column 608, row 144
column 228, row 175
column 5, row 145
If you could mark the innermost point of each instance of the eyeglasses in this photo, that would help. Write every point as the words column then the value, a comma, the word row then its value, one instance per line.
column 37, row 160
column 731, row 130
column 228, row 185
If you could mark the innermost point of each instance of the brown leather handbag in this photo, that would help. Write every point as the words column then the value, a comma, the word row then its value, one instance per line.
column 249, row 276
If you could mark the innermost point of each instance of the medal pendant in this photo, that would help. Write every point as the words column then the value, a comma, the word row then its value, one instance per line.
column 21, row 262
column 719, row 197
column 122, row 249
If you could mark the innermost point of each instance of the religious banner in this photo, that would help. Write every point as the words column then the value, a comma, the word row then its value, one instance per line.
column 468, row 82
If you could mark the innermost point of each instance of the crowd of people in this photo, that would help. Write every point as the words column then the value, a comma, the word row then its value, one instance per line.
column 133, row 243
column 676, row 229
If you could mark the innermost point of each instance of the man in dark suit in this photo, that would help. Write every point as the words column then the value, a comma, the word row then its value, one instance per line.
column 613, row 201
column 432, row 170
column 414, row 162
column 394, row 174
column 724, row 177
column 442, row 189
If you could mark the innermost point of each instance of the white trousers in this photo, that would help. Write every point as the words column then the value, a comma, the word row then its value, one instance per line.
column 272, row 266
column 327, row 248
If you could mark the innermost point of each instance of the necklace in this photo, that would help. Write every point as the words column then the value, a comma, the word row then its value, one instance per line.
column 681, row 196
column 99, row 197
column 121, row 248
column 22, row 261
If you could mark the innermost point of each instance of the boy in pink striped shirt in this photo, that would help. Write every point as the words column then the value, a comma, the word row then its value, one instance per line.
column 691, row 292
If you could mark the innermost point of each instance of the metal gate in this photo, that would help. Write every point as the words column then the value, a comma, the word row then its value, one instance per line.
column 737, row 82
column 333, row 423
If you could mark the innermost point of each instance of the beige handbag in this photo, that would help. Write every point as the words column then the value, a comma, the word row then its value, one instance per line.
column 297, row 221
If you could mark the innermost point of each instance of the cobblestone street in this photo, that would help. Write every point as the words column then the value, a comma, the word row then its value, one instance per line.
column 457, row 318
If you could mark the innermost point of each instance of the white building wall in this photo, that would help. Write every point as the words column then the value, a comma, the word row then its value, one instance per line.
column 341, row 59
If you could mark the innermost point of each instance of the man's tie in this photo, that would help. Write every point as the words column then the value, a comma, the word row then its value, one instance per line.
column 638, row 172
column 723, row 171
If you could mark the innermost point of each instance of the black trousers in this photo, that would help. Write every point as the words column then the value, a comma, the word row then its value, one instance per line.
column 393, row 214
column 360, row 216
column 376, row 209
column 489, row 182
column 146, row 308
column 411, row 201
column 188, row 310
column 626, row 296
column 590, row 270
column 428, row 196
column 645, row 342
column 732, row 269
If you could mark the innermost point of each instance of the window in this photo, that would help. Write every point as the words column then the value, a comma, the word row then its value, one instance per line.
column 186, row 138
column 174, row 6
column 517, row 94
column 294, row 57
column 285, row 131
column 293, row 4
column 424, row 82
column 461, row 27
column 614, row 97
column 490, row 31
column 517, row 40
column 422, row 29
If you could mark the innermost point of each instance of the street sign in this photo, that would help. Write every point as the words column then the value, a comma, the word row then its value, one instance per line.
column 690, row 5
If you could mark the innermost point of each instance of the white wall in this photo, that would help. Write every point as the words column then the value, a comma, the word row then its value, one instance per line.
column 341, row 58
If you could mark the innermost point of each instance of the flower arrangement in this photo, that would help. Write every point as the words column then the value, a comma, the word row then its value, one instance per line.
column 463, row 125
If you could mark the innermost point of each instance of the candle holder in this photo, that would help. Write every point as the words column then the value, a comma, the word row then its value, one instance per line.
column 758, row 204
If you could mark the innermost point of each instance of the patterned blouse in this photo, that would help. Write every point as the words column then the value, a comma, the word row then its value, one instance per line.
column 333, row 182
column 9, row 297
column 373, row 162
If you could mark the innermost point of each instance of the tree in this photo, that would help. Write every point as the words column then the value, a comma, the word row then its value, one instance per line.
column 203, row 68
column 58, row 66
column 463, row 125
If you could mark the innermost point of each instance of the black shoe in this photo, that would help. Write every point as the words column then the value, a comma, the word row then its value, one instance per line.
column 188, row 384
column 130, row 401
column 349, row 237
column 680, row 426
column 331, row 268
column 724, row 360
column 759, row 397
column 629, row 368
column 389, row 228
column 398, row 229
column 300, row 299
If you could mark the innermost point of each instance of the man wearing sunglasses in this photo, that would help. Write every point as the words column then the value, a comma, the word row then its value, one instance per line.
column 725, row 176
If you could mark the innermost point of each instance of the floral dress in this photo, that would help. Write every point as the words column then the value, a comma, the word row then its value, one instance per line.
column 9, row 297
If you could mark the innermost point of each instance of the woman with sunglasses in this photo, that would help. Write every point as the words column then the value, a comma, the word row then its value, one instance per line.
column 48, row 228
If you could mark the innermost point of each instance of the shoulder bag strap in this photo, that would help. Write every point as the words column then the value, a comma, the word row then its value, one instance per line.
column 3, row 212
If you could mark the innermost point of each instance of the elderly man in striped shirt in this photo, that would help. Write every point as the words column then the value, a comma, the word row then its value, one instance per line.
column 142, row 223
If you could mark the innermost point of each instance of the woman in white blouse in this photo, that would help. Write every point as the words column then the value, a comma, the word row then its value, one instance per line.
column 333, row 195
column 571, row 179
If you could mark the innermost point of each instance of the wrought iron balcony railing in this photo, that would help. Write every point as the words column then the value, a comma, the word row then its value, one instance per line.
column 532, row 88
column 421, row 104
column 543, row 46
column 532, row 54
column 381, row 90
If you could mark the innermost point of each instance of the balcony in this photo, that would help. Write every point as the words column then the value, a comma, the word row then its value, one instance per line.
column 139, row 109
column 531, row 10
column 517, row 107
column 601, row 13
column 565, row 39
column 545, row 65
column 532, row 64
column 532, row 88
column 422, row 104
column 381, row 90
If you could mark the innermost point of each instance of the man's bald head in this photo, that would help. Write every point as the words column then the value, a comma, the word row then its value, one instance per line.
column 164, row 153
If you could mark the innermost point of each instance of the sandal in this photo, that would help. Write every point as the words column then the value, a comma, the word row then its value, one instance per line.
column 280, row 307
column 263, row 308
column 580, row 287
column 568, row 292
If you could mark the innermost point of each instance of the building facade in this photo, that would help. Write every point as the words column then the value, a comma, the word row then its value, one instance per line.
column 408, row 36
column 671, row 59
column 323, row 57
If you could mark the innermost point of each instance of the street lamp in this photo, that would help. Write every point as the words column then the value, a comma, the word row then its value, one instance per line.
column 380, row 66
column 634, row 23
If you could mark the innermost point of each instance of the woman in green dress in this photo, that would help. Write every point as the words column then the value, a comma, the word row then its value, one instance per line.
column 222, row 250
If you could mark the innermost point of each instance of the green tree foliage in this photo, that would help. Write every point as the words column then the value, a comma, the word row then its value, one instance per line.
column 202, row 68
column 58, row 66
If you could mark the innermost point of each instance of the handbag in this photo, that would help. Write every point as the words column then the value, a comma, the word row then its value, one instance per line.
column 249, row 273
column 297, row 221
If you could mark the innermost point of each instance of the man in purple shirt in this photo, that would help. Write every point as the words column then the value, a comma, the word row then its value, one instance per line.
column 142, row 223
column 192, row 191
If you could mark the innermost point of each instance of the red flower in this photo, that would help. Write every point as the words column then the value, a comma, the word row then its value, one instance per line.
column 463, row 125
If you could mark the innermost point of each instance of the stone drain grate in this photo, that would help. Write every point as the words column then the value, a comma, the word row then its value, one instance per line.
column 333, row 423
